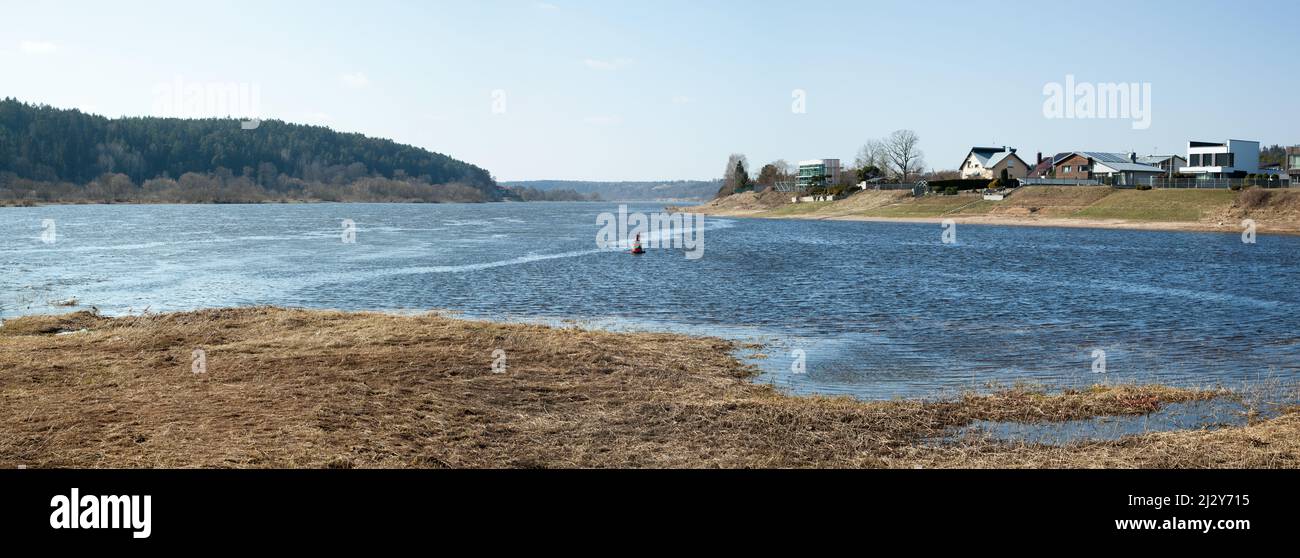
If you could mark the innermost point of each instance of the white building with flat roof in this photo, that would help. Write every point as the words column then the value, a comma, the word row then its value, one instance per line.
column 818, row 172
column 1230, row 159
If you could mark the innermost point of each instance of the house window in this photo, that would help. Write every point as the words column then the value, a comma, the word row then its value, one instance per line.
column 1066, row 168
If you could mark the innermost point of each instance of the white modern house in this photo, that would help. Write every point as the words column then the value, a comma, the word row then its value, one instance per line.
column 991, row 162
column 1230, row 159
column 814, row 172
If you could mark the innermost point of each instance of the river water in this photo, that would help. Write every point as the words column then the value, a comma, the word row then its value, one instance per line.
column 873, row 310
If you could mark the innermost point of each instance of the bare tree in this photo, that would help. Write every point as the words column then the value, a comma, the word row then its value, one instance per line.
column 786, row 169
column 872, row 154
column 902, row 149
column 731, row 179
column 774, row 172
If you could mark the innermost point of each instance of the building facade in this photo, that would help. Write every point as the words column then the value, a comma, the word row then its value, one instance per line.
column 818, row 172
column 1074, row 166
column 1230, row 159
column 1292, row 163
column 1171, row 164
column 1120, row 169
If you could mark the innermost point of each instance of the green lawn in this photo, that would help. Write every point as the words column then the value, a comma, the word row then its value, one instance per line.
column 931, row 206
column 1158, row 205
column 1080, row 202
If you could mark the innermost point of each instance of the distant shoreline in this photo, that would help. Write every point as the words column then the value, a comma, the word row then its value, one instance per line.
column 303, row 202
column 10, row 203
column 1273, row 211
column 1060, row 223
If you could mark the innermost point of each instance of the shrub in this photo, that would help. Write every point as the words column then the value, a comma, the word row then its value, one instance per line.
column 950, row 191
column 995, row 184
column 959, row 184
column 1254, row 198
column 1143, row 187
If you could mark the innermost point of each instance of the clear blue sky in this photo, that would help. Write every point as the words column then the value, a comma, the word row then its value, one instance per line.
column 623, row 90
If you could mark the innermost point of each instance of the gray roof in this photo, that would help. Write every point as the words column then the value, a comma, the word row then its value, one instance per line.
column 997, row 158
column 1133, row 167
column 1118, row 161
column 1157, row 159
column 990, row 156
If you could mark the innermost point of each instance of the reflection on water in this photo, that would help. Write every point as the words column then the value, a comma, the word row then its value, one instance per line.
column 879, row 310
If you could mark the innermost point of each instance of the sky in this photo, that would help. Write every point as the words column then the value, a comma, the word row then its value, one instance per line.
column 666, row 89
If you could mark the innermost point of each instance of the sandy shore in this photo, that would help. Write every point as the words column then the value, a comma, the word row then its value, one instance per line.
column 295, row 388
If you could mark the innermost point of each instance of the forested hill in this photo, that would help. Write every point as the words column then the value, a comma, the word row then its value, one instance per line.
column 59, row 147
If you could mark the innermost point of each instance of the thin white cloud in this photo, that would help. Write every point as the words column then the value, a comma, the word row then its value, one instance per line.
column 545, row 6
column 603, row 120
column 318, row 118
column 37, row 47
column 682, row 100
column 607, row 65
column 355, row 80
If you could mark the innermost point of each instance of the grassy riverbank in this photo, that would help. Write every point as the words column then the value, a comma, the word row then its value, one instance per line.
column 295, row 388
column 1275, row 211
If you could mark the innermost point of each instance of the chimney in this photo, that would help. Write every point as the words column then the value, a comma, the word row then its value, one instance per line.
column 1133, row 157
column 1040, row 157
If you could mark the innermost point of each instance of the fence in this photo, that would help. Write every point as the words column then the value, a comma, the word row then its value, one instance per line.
column 1164, row 182
column 1058, row 182
column 1212, row 183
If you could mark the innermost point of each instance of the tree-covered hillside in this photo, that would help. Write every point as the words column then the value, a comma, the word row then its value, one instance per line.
column 46, row 145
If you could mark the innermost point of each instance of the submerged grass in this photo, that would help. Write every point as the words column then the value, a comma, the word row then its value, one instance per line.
column 297, row 388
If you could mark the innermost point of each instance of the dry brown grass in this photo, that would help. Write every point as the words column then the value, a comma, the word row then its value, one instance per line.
column 296, row 388
column 746, row 203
